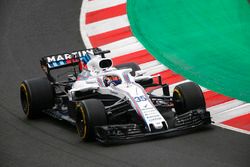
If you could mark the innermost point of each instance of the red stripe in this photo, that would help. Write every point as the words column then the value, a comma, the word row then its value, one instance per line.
column 110, row 36
column 138, row 57
column 242, row 122
column 149, row 89
column 169, row 77
column 68, row 61
column 106, row 13
column 213, row 98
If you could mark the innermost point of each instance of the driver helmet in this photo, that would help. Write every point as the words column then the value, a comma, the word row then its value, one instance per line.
column 112, row 80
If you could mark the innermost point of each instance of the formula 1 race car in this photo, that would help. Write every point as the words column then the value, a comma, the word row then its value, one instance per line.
column 110, row 103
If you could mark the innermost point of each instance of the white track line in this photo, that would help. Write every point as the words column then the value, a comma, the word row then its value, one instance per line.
column 232, row 113
column 126, row 49
column 156, row 69
column 102, row 4
column 107, row 25
column 123, row 47
column 225, row 106
column 148, row 65
column 233, row 128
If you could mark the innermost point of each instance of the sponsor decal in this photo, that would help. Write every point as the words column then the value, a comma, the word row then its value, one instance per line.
column 69, row 56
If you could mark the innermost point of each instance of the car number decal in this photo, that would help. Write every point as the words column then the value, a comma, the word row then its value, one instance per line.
column 140, row 98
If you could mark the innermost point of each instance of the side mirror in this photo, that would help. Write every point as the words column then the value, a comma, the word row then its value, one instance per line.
column 139, row 73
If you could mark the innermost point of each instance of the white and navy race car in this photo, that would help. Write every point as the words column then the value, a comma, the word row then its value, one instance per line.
column 110, row 103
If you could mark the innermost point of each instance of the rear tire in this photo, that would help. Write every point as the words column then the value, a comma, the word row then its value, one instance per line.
column 135, row 67
column 188, row 96
column 36, row 95
column 90, row 113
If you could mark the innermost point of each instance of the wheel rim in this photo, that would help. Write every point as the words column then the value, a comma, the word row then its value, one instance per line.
column 81, row 123
column 25, row 99
column 178, row 101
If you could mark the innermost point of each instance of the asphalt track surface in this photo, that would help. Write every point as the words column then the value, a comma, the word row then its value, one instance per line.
column 34, row 28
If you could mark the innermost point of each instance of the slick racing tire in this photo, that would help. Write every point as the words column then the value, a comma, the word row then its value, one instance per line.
column 36, row 95
column 135, row 67
column 90, row 113
column 188, row 96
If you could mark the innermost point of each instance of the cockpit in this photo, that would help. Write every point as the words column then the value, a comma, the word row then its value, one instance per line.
column 112, row 80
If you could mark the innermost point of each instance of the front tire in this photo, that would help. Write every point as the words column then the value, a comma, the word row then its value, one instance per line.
column 36, row 95
column 90, row 113
column 188, row 96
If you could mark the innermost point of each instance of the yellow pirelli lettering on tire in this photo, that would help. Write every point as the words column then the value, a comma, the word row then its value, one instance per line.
column 82, row 132
column 178, row 92
column 27, row 107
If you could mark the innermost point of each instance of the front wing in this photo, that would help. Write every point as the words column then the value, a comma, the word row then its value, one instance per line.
column 113, row 134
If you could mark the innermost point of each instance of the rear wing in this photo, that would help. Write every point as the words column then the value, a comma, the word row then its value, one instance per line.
column 69, row 59
column 65, row 59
